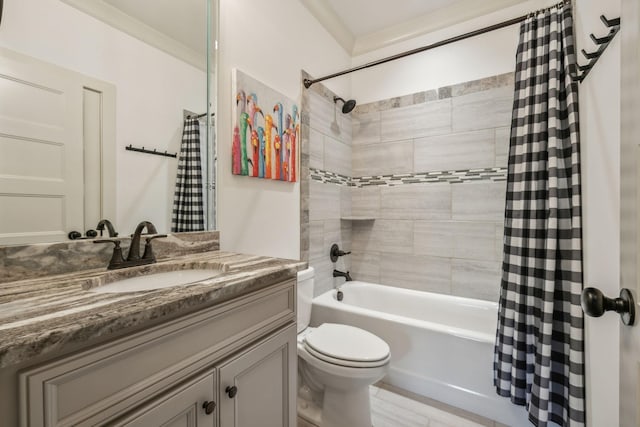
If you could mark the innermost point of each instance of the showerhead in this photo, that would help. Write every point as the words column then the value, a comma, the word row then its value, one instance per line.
column 347, row 106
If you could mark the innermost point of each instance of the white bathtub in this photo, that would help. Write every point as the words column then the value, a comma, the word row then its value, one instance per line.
column 441, row 345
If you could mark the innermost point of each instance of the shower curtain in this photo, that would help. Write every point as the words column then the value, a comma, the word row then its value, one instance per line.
column 188, row 213
column 539, row 350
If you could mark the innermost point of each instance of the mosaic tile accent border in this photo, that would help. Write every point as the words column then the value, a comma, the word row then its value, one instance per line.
column 327, row 177
column 452, row 177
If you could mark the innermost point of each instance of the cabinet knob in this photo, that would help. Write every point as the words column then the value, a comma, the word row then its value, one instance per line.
column 209, row 407
column 231, row 391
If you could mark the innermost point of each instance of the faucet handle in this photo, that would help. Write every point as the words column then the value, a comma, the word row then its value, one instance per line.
column 148, row 250
column 117, row 260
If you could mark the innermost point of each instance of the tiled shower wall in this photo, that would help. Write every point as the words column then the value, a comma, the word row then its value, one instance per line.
column 430, row 170
column 421, row 182
column 326, row 148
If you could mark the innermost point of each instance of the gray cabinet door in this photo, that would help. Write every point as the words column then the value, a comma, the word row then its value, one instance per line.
column 183, row 406
column 264, row 378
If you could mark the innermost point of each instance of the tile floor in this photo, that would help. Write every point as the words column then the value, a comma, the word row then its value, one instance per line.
column 393, row 407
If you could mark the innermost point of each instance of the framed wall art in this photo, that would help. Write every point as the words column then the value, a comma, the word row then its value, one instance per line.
column 266, row 131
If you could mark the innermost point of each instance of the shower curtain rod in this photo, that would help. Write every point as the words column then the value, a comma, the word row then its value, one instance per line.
column 308, row 82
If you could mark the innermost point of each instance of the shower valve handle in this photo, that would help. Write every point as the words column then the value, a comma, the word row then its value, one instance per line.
column 335, row 253
column 595, row 304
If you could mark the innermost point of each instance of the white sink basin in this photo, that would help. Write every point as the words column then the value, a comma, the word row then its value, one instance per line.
column 157, row 281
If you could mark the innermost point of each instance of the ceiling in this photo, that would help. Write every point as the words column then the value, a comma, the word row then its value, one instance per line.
column 186, row 23
column 364, row 25
column 177, row 27
column 379, row 15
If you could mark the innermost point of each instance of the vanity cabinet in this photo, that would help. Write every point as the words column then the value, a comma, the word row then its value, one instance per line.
column 176, row 372
column 189, row 405
column 255, row 387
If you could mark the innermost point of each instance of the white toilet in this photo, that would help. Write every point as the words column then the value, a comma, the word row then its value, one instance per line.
column 336, row 366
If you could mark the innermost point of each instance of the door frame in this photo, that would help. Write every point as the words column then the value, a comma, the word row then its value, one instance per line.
column 629, row 186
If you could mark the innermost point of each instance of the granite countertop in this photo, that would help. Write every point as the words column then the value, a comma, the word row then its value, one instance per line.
column 42, row 315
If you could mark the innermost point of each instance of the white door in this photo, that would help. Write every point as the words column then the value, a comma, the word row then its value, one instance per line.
column 57, row 158
column 41, row 158
column 604, row 402
column 629, row 199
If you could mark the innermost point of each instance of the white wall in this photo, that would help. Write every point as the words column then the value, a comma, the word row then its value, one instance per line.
column 600, row 139
column 152, row 89
column 271, row 41
column 471, row 59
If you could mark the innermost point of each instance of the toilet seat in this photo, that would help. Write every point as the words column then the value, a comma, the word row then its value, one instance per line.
column 347, row 346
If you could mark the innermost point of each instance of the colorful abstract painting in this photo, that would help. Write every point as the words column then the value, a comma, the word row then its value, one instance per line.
column 266, row 131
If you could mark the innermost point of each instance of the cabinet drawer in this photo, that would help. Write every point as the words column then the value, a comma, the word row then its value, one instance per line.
column 106, row 381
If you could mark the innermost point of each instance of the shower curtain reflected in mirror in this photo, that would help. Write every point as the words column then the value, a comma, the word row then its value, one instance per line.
column 188, row 205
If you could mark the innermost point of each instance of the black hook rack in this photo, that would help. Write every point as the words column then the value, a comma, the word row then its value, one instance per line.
column 186, row 114
column 199, row 116
column 154, row 151
column 602, row 43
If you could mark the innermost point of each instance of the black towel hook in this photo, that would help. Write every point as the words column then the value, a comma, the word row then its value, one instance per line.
column 154, row 151
column 602, row 43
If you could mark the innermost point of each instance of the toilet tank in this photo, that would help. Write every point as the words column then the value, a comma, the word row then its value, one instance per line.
column 305, row 295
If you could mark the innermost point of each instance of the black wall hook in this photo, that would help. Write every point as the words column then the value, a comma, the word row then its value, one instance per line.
column 585, row 68
column 589, row 55
column 605, row 39
column 610, row 22
column 602, row 43
column 144, row 150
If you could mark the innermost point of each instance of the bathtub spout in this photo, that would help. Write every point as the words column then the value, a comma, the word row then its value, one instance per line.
column 337, row 273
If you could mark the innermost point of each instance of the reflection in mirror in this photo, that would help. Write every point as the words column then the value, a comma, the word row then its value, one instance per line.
column 82, row 81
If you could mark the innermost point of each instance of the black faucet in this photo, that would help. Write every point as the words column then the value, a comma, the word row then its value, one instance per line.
column 337, row 273
column 133, row 258
column 110, row 229
column 134, row 249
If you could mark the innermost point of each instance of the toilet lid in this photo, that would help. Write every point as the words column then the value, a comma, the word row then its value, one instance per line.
column 347, row 343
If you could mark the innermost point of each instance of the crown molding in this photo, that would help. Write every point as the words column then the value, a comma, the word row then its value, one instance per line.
column 441, row 18
column 135, row 28
column 331, row 22
column 445, row 17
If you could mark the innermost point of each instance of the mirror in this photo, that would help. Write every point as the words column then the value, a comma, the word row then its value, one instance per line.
column 94, row 94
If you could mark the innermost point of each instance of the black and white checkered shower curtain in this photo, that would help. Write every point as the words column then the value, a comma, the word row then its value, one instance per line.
column 188, row 211
column 539, row 351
